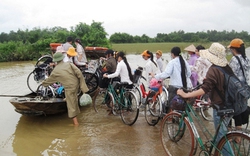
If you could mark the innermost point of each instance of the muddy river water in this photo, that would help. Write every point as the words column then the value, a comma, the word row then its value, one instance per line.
column 97, row 134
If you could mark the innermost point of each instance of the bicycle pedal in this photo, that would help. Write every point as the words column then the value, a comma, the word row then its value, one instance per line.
column 153, row 121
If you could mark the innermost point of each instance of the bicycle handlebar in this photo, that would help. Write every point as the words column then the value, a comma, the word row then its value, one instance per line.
column 190, row 90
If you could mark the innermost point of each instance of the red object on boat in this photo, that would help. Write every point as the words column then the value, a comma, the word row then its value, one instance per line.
column 95, row 52
column 53, row 46
column 95, row 49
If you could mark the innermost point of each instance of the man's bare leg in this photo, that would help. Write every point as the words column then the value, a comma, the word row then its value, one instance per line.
column 75, row 121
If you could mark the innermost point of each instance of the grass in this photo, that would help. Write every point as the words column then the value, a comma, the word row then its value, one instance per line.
column 138, row 48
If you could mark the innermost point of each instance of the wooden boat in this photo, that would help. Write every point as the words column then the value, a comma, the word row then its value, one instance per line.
column 91, row 52
column 33, row 105
column 95, row 52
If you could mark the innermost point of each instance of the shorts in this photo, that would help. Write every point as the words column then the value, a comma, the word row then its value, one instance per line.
column 242, row 118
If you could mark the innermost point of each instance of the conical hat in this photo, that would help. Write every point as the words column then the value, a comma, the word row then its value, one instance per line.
column 190, row 48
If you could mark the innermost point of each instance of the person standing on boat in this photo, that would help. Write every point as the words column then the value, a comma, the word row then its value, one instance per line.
column 71, row 78
column 81, row 58
column 66, row 47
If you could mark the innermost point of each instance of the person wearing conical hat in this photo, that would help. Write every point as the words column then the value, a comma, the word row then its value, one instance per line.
column 81, row 58
column 71, row 78
column 192, row 59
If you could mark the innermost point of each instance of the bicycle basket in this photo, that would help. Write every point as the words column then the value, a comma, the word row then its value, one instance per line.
column 137, row 75
column 39, row 74
column 178, row 103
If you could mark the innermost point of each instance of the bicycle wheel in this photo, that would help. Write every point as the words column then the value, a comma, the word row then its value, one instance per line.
column 102, row 102
column 206, row 109
column 129, row 109
column 45, row 91
column 32, row 83
column 114, row 105
column 91, row 81
column 152, row 111
column 177, row 137
column 234, row 144
column 164, row 100
column 137, row 92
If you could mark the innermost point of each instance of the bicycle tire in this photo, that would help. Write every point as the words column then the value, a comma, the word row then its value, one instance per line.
column 45, row 91
column 42, row 59
column 152, row 117
column 114, row 105
column 174, row 141
column 129, row 109
column 137, row 92
column 102, row 102
column 164, row 100
column 206, row 110
column 32, row 83
column 240, row 148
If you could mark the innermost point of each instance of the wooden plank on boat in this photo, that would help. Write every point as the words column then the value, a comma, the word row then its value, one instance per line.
column 95, row 52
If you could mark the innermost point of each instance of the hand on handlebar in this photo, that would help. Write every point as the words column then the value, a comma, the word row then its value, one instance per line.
column 105, row 75
column 152, row 74
column 181, row 93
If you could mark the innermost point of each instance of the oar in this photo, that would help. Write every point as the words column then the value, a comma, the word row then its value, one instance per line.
column 27, row 95
column 13, row 95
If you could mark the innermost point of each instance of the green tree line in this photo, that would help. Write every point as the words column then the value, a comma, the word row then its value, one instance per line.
column 31, row 44
column 181, row 36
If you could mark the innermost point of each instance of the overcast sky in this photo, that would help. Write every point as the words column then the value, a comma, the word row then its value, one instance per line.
column 135, row 17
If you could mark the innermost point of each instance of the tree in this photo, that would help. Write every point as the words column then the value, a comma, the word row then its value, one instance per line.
column 145, row 38
column 121, row 38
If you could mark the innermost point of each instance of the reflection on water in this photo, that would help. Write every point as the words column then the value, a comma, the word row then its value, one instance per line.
column 96, row 135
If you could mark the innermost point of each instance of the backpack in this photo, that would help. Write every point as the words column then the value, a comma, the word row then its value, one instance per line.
column 237, row 92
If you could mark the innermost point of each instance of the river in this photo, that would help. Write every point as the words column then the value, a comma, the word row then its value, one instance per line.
column 97, row 135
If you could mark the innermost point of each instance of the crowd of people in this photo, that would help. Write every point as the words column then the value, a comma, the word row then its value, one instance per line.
column 199, row 69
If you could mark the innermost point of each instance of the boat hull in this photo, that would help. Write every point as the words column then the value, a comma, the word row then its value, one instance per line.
column 35, row 106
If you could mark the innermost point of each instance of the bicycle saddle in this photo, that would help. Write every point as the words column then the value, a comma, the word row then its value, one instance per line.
column 223, row 111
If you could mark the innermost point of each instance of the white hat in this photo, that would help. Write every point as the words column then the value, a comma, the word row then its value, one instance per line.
column 60, row 49
column 216, row 54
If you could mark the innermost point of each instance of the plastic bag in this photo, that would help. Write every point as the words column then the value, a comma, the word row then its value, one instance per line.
column 178, row 103
column 85, row 100
column 154, row 84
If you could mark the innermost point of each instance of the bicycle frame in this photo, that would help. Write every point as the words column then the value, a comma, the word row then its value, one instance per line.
column 117, row 97
column 187, row 114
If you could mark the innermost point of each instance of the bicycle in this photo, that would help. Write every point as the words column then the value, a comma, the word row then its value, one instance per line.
column 178, row 132
column 42, row 71
column 155, row 101
column 156, row 105
column 91, row 75
column 121, row 101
